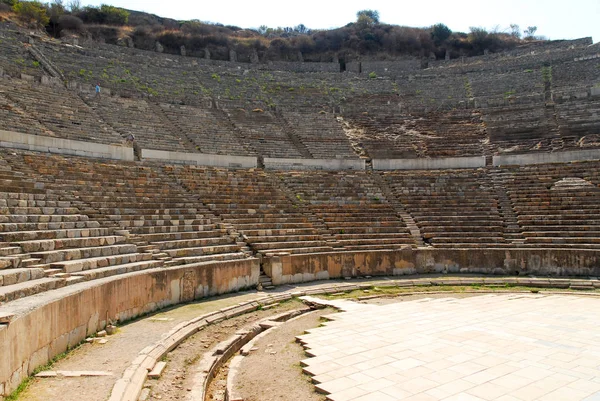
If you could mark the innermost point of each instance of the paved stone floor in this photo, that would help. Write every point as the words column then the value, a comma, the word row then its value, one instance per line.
column 509, row 347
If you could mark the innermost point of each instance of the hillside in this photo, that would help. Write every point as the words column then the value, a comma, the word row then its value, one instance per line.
column 364, row 39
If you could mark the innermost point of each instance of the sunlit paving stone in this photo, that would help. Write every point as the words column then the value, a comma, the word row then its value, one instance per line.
column 492, row 347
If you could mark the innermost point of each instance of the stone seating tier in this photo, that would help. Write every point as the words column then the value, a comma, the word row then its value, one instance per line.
column 141, row 119
column 265, row 133
column 554, row 203
column 349, row 204
column 64, row 219
column 458, row 208
column 386, row 134
column 511, row 84
column 154, row 210
column 15, row 60
column 60, row 112
column 321, row 133
column 209, row 129
column 250, row 200
column 576, row 74
column 579, row 118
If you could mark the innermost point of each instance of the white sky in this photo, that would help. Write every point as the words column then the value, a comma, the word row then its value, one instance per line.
column 555, row 19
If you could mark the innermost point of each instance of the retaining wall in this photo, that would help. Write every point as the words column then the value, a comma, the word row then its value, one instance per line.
column 38, row 143
column 314, row 164
column 429, row 164
column 200, row 159
column 50, row 323
column 298, row 66
column 286, row 269
column 544, row 158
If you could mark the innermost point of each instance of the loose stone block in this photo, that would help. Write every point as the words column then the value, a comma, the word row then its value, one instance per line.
column 157, row 371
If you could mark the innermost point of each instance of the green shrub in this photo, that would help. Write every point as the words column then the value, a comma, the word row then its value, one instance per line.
column 70, row 22
column 547, row 74
column 32, row 11
column 105, row 14
column 372, row 75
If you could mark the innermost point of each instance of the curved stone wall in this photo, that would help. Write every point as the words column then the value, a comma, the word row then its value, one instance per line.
column 45, row 325
column 285, row 268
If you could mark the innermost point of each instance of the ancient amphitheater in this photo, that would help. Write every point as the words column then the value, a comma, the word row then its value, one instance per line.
column 472, row 173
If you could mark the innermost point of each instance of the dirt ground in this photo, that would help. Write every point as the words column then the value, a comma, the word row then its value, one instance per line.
column 272, row 372
column 177, row 377
column 116, row 355
column 386, row 300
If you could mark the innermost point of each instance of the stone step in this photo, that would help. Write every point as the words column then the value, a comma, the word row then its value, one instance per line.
column 465, row 239
column 10, row 250
column 582, row 241
column 192, row 243
column 159, row 227
column 28, row 288
column 74, row 280
column 29, row 262
column 140, row 218
column 52, row 272
column 28, row 201
column 19, row 236
column 455, row 213
column 435, row 221
column 210, row 258
column 201, row 251
column 368, row 230
column 375, row 241
column 303, row 221
column 374, row 246
column 63, row 225
column 10, row 262
column 64, row 243
column 461, row 229
column 285, row 231
column 178, row 236
column 283, row 238
column 72, row 266
column 265, row 246
column 389, row 217
column 108, row 271
column 42, row 218
column 48, row 211
column 84, row 253
column 571, row 231
column 16, row 276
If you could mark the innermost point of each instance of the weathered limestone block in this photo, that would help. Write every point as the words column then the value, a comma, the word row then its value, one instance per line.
column 125, row 41
column 159, row 48
column 38, row 358
column 232, row 56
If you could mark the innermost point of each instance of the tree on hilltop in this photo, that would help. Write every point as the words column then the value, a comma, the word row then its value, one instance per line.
column 439, row 33
column 367, row 17
column 529, row 33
